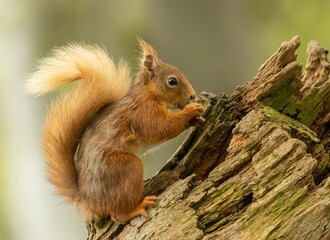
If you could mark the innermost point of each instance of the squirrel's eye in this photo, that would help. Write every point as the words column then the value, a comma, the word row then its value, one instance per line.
column 171, row 82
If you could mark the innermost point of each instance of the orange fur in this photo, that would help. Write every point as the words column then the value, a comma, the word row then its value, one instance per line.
column 91, row 136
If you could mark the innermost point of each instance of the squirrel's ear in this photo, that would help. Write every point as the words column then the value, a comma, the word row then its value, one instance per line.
column 149, row 56
column 148, row 62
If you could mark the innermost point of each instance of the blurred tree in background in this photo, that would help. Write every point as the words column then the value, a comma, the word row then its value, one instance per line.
column 217, row 44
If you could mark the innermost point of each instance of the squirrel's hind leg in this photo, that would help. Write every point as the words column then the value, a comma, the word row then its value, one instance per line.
column 124, row 179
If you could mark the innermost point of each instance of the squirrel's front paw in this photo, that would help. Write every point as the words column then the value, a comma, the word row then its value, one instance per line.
column 196, row 112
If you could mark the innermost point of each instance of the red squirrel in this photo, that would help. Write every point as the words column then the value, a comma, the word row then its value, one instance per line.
column 91, row 135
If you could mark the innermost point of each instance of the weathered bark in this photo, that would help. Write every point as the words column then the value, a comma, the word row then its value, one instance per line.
column 257, row 169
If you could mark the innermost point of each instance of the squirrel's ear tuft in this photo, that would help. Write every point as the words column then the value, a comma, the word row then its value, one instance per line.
column 149, row 56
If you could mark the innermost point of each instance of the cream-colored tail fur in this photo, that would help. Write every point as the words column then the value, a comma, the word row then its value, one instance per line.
column 102, row 83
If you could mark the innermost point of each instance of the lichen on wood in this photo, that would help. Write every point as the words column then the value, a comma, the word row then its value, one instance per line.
column 258, row 168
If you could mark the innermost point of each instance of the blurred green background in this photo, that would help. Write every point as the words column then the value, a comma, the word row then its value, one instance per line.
column 218, row 44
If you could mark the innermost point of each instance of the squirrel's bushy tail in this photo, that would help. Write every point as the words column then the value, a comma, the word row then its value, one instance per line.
column 102, row 83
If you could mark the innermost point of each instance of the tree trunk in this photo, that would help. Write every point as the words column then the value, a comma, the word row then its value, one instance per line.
column 258, row 168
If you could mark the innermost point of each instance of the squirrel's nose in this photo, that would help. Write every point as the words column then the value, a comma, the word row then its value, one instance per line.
column 193, row 96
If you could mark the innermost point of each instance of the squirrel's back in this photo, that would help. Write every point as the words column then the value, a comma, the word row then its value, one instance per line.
column 102, row 82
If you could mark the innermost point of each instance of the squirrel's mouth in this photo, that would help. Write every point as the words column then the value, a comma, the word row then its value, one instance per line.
column 182, row 106
column 176, row 105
